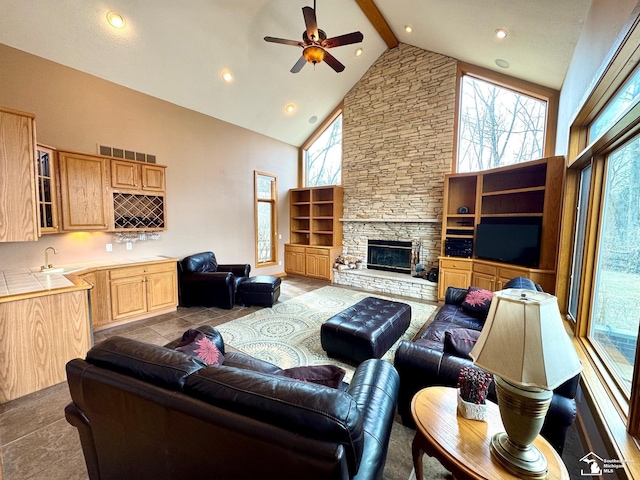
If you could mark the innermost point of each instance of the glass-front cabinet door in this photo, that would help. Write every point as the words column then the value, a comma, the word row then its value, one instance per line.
column 47, row 190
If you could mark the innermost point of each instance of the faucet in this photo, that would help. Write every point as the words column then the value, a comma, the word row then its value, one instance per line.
column 47, row 265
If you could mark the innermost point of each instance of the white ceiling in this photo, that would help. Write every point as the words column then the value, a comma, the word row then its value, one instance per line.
column 177, row 50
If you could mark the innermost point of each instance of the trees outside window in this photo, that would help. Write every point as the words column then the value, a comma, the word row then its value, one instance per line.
column 266, row 206
column 616, row 306
column 627, row 97
column 323, row 156
column 498, row 126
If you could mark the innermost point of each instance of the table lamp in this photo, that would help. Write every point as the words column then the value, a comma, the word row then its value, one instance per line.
column 524, row 344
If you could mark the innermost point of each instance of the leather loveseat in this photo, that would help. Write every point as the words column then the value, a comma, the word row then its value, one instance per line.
column 426, row 361
column 149, row 412
column 205, row 283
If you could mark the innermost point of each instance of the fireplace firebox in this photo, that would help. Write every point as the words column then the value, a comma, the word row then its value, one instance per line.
column 389, row 255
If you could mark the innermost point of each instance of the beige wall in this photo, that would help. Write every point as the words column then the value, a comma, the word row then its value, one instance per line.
column 601, row 32
column 210, row 163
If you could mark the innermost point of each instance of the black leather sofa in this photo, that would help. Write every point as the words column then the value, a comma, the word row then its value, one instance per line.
column 423, row 362
column 205, row 283
column 150, row 412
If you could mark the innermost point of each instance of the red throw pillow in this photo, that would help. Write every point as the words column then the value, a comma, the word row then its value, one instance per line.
column 197, row 344
column 477, row 302
column 329, row 375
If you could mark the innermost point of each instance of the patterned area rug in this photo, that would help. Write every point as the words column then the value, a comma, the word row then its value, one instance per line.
column 288, row 334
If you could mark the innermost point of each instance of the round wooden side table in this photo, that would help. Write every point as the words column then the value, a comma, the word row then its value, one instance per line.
column 461, row 445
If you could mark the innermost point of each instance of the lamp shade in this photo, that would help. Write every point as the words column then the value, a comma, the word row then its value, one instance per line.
column 524, row 341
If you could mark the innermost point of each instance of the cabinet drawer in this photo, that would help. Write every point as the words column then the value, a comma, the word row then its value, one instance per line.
column 512, row 273
column 141, row 270
column 455, row 264
column 317, row 251
column 293, row 249
column 482, row 268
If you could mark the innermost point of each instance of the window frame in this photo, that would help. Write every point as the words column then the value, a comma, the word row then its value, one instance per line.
column 619, row 415
column 519, row 86
column 302, row 177
column 274, row 217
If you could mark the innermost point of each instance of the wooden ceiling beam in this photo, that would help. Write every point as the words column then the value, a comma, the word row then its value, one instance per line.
column 379, row 23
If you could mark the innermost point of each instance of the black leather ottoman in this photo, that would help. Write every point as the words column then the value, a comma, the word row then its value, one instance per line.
column 262, row 290
column 365, row 330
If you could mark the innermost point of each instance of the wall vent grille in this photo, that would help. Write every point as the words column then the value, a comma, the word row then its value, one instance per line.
column 126, row 154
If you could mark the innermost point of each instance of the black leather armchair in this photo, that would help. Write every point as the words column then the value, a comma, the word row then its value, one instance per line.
column 204, row 282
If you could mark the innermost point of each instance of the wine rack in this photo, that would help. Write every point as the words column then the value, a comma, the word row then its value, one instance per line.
column 136, row 212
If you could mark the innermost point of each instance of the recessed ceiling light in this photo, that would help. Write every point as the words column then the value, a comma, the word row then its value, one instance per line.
column 115, row 19
column 313, row 119
column 290, row 108
column 502, row 63
column 227, row 76
column 359, row 52
column 501, row 33
column 408, row 28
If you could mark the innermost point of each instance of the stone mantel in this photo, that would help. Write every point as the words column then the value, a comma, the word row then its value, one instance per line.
column 392, row 220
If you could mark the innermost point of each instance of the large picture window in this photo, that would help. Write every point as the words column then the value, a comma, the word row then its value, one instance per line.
column 501, row 124
column 602, row 224
column 266, row 206
column 616, row 305
column 322, row 155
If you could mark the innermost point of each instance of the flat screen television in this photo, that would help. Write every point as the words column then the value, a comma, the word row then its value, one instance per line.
column 518, row 244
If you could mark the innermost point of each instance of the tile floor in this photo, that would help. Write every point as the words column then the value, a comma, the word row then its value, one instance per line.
column 36, row 442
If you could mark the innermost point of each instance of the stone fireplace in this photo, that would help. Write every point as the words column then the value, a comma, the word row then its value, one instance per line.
column 420, row 237
column 397, row 146
column 422, row 240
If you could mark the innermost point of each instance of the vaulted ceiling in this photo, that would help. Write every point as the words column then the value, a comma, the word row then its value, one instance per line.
column 178, row 50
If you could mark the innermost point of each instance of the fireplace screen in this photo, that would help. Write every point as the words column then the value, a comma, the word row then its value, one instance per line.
column 389, row 255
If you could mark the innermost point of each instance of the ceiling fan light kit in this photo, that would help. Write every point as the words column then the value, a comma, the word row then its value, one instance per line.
column 313, row 54
column 315, row 43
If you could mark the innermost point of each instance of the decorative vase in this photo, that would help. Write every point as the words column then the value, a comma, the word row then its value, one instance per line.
column 471, row 411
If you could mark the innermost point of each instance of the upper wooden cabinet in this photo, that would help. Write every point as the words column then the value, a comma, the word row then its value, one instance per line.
column 153, row 178
column 137, row 196
column 47, row 189
column 18, row 218
column 83, row 190
column 126, row 175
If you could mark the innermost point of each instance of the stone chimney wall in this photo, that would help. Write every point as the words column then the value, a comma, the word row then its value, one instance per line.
column 398, row 128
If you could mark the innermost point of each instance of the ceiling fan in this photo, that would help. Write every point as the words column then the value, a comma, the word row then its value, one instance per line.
column 315, row 43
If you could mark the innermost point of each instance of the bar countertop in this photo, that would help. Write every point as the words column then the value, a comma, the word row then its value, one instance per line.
column 21, row 283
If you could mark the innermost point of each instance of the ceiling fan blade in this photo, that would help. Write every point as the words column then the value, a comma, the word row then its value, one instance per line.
column 347, row 39
column 283, row 41
column 299, row 64
column 311, row 23
column 332, row 62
